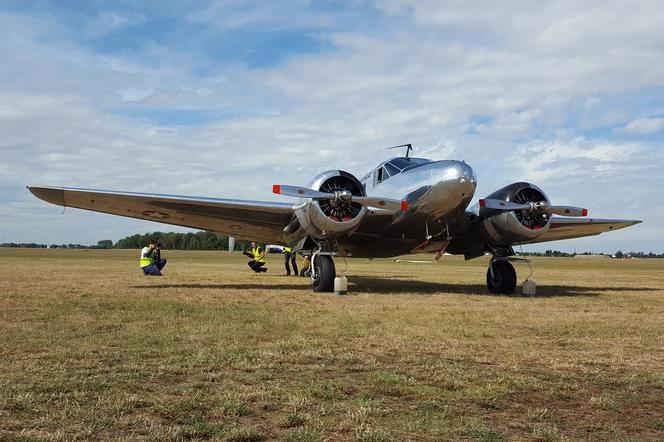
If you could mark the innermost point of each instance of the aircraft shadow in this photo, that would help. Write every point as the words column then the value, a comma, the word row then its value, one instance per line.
column 407, row 286
column 393, row 286
column 226, row 286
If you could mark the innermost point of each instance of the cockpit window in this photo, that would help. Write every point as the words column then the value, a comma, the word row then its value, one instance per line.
column 399, row 163
column 378, row 176
column 402, row 163
column 392, row 169
column 395, row 166
column 381, row 175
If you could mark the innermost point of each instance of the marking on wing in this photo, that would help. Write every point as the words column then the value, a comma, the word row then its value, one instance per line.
column 156, row 215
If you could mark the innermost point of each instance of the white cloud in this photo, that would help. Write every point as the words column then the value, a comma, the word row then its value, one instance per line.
column 509, row 88
column 265, row 16
column 107, row 22
column 135, row 95
column 579, row 158
column 643, row 126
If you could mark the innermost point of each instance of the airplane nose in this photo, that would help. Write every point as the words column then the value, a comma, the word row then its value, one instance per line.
column 441, row 187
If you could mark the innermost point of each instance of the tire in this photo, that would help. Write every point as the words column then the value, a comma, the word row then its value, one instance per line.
column 305, row 272
column 325, row 274
column 504, row 278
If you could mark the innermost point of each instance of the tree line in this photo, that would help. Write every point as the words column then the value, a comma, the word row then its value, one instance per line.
column 181, row 241
column 168, row 240
column 213, row 241
column 32, row 245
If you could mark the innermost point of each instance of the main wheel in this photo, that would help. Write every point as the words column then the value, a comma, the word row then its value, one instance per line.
column 504, row 278
column 325, row 273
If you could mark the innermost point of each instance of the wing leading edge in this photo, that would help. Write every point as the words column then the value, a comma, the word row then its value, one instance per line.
column 568, row 228
column 258, row 220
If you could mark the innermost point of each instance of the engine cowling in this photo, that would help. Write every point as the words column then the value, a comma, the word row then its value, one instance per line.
column 326, row 219
column 509, row 227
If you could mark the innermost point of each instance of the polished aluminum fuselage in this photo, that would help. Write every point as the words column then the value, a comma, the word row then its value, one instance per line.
column 437, row 192
column 436, row 188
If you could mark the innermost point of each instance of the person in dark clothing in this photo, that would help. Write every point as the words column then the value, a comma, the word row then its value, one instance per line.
column 289, row 258
column 257, row 258
column 157, row 252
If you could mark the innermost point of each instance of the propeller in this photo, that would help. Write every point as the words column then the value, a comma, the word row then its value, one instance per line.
column 340, row 197
column 539, row 206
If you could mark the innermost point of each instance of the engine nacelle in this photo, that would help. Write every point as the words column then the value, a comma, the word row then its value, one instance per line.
column 326, row 219
column 509, row 227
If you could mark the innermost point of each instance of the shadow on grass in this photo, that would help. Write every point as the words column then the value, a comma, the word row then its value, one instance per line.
column 390, row 285
column 398, row 286
column 225, row 286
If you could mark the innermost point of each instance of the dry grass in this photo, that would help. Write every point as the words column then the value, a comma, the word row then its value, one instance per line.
column 91, row 349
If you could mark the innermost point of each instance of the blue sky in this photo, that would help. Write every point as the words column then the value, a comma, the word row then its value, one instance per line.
column 208, row 94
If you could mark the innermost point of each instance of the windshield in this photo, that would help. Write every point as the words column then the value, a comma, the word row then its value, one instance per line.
column 401, row 163
column 394, row 167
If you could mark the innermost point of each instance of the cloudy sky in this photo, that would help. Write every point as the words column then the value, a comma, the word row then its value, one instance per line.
column 225, row 98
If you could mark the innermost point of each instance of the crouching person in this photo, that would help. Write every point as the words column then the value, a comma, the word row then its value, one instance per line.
column 151, row 260
column 257, row 258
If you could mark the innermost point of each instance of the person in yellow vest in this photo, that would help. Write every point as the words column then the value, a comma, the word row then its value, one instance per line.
column 289, row 257
column 151, row 261
column 257, row 258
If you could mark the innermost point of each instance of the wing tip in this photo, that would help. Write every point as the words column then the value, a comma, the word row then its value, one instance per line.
column 49, row 194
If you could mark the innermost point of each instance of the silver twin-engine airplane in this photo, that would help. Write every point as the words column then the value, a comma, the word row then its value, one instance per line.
column 405, row 205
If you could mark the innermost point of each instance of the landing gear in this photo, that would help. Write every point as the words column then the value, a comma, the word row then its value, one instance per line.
column 322, row 273
column 501, row 277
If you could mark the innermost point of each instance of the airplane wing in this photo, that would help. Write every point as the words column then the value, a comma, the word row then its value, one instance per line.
column 256, row 220
column 567, row 228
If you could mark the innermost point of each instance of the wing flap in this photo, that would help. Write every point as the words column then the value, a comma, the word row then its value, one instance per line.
column 262, row 221
column 568, row 228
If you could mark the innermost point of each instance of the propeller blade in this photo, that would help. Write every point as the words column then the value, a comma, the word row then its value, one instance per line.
column 382, row 203
column 300, row 192
column 541, row 206
column 503, row 205
column 567, row 210
column 304, row 192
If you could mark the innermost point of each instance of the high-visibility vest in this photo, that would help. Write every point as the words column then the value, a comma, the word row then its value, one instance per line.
column 257, row 254
column 288, row 249
column 149, row 259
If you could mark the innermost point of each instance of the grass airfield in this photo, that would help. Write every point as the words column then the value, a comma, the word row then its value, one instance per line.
column 91, row 349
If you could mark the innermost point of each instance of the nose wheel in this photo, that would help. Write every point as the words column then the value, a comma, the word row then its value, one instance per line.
column 501, row 277
column 322, row 273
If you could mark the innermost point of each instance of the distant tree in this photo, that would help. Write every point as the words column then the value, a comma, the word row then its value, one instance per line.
column 180, row 241
column 105, row 244
column 130, row 242
column 619, row 254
